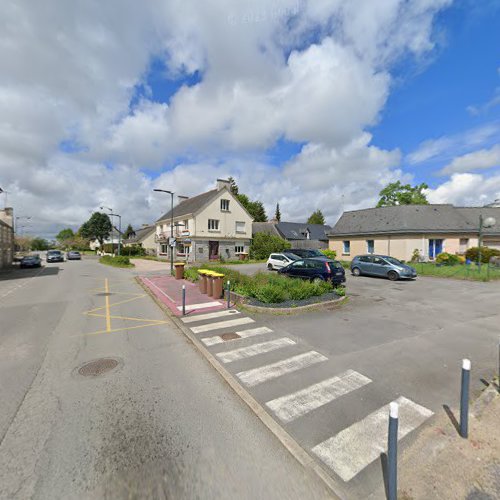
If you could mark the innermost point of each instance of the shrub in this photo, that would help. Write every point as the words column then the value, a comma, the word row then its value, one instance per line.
column 415, row 256
column 117, row 261
column 447, row 259
column 270, row 293
column 133, row 250
column 486, row 254
column 331, row 254
column 265, row 244
column 110, row 247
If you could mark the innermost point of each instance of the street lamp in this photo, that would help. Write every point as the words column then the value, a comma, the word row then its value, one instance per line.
column 119, row 228
column 171, row 226
column 483, row 224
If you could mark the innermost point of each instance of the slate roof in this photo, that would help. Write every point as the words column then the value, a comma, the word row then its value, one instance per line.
column 265, row 227
column 292, row 230
column 140, row 234
column 189, row 206
column 405, row 219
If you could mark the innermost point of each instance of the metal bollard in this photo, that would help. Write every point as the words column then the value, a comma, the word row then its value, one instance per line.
column 183, row 300
column 392, row 453
column 228, row 290
column 464, row 399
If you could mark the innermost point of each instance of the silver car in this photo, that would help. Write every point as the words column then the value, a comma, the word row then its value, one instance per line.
column 381, row 265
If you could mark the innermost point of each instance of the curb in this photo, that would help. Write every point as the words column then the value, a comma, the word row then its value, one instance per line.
column 299, row 453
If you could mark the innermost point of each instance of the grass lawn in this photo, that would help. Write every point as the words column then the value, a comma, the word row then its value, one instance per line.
column 463, row 272
column 118, row 261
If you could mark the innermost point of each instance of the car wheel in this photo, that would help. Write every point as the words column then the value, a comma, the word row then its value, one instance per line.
column 392, row 275
column 269, row 267
column 356, row 271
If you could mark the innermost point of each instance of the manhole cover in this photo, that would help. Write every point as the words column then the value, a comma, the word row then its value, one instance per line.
column 230, row 336
column 97, row 367
column 232, row 311
column 104, row 294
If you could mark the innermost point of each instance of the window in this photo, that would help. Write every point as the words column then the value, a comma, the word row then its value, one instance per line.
column 378, row 260
column 239, row 249
column 464, row 244
column 299, row 264
column 186, row 225
column 164, row 248
column 213, row 225
column 435, row 248
column 224, row 205
column 240, row 227
column 365, row 258
column 370, row 246
column 347, row 247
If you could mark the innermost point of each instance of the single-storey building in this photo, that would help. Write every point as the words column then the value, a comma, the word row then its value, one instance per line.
column 6, row 238
column 400, row 230
column 209, row 226
column 144, row 237
column 299, row 234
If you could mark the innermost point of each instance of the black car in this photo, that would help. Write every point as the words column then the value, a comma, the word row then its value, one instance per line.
column 31, row 261
column 316, row 269
column 307, row 253
column 73, row 255
column 55, row 256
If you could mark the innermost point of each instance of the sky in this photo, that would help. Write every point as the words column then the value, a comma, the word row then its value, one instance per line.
column 312, row 104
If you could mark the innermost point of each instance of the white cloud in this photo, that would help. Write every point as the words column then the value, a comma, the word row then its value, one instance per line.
column 477, row 160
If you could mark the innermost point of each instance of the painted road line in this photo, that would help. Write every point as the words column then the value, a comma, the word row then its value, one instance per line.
column 268, row 372
column 254, row 350
column 204, row 305
column 203, row 317
column 292, row 406
column 244, row 334
column 356, row 447
column 221, row 324
column 108, row 315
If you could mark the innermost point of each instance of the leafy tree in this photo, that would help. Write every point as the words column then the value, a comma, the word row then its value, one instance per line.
column 265, row 244
column 65, row 235
column 98, row 227
column 254, row 208
column 39, row 244
column 316, row 217
column 233, row 186
column 128, row 232
column 22, row 243
column 396, row 193
column 277, row 215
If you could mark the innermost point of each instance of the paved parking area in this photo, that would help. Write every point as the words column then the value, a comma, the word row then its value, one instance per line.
column 327, row 377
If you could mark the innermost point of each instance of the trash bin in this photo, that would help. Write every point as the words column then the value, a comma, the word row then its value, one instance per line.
column 203, row 280
column 179, row 270
column 210, row 283
column 218, row 283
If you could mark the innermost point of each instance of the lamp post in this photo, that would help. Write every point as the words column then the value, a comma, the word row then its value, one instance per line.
column 119, row 228
column 171, row 226
column 483, row 224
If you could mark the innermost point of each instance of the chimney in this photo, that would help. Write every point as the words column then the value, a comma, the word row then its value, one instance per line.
column 222, row 183
column 182, row 198
column 145, row 225
column 7, row 216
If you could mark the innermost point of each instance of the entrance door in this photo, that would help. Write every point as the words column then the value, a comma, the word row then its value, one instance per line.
column 213, row 250
column 435, row 248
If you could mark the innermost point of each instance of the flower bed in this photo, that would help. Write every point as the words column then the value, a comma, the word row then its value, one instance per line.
column 267, row 288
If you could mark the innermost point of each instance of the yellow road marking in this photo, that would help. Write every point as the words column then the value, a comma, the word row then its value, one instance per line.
column 115, row 304
column 126, row 318
column 160, row 322
column 108, row 316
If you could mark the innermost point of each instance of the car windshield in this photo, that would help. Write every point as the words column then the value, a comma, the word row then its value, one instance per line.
column 393, row 261
column 315, row 253
column 54, row 252
column 291, row 256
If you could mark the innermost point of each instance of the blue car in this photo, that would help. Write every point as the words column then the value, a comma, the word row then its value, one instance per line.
column 315, row 269
column 381, row 265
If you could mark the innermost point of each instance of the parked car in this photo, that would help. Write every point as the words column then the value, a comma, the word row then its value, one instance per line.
column 73, row 255
column 381, row 265
column 316, row 269
column 279, row 260
column 307, row 253
column 55, row 256
column 31, row 261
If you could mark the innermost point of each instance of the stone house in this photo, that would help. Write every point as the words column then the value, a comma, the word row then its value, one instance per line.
column 6, row 238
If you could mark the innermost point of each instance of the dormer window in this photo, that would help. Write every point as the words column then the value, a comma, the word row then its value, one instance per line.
column 224, row 205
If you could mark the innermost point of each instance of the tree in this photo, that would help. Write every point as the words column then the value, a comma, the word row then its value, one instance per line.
column 316, row 217
column 98, row 227
column 128, row 232
column 65, row 235
column 233, row 186
column 277, row 215
column 264, row 244
column 254, row 208
column 39, row 244
column 396, row 193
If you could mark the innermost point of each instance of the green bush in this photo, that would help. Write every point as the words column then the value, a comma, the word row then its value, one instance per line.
column 486, row 254
column 110, row 248
column 331, row 254
column 271, row 293
column 133, row 250
column 447, row 259
column 265, row 244
column 117, row 261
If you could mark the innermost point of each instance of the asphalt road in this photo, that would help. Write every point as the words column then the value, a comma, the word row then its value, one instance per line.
column 162, row 424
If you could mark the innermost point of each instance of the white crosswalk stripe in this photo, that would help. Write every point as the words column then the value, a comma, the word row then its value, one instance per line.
column 205, row 317
column 275, row 370
column 254, row 350
column 292, row 406
column 204, row 305
column 221, row 324
column 244, row 334
column 354, row 448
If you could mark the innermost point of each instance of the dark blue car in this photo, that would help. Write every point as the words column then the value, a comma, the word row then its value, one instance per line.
column 316, row 269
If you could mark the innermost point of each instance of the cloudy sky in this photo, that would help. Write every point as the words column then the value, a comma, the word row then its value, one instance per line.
column 309, row 103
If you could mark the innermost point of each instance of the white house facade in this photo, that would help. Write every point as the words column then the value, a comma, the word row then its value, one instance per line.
column 210, row 226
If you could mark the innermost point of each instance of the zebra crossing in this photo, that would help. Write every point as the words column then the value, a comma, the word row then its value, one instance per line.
column 246, row 353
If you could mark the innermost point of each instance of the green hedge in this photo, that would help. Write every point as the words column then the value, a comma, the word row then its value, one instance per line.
column 331, row 254
column 117, row 261
column 486, row 254
column 265, row 244
column 447, row 259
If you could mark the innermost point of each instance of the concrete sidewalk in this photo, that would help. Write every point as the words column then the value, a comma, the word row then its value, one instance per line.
column 169, row 291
